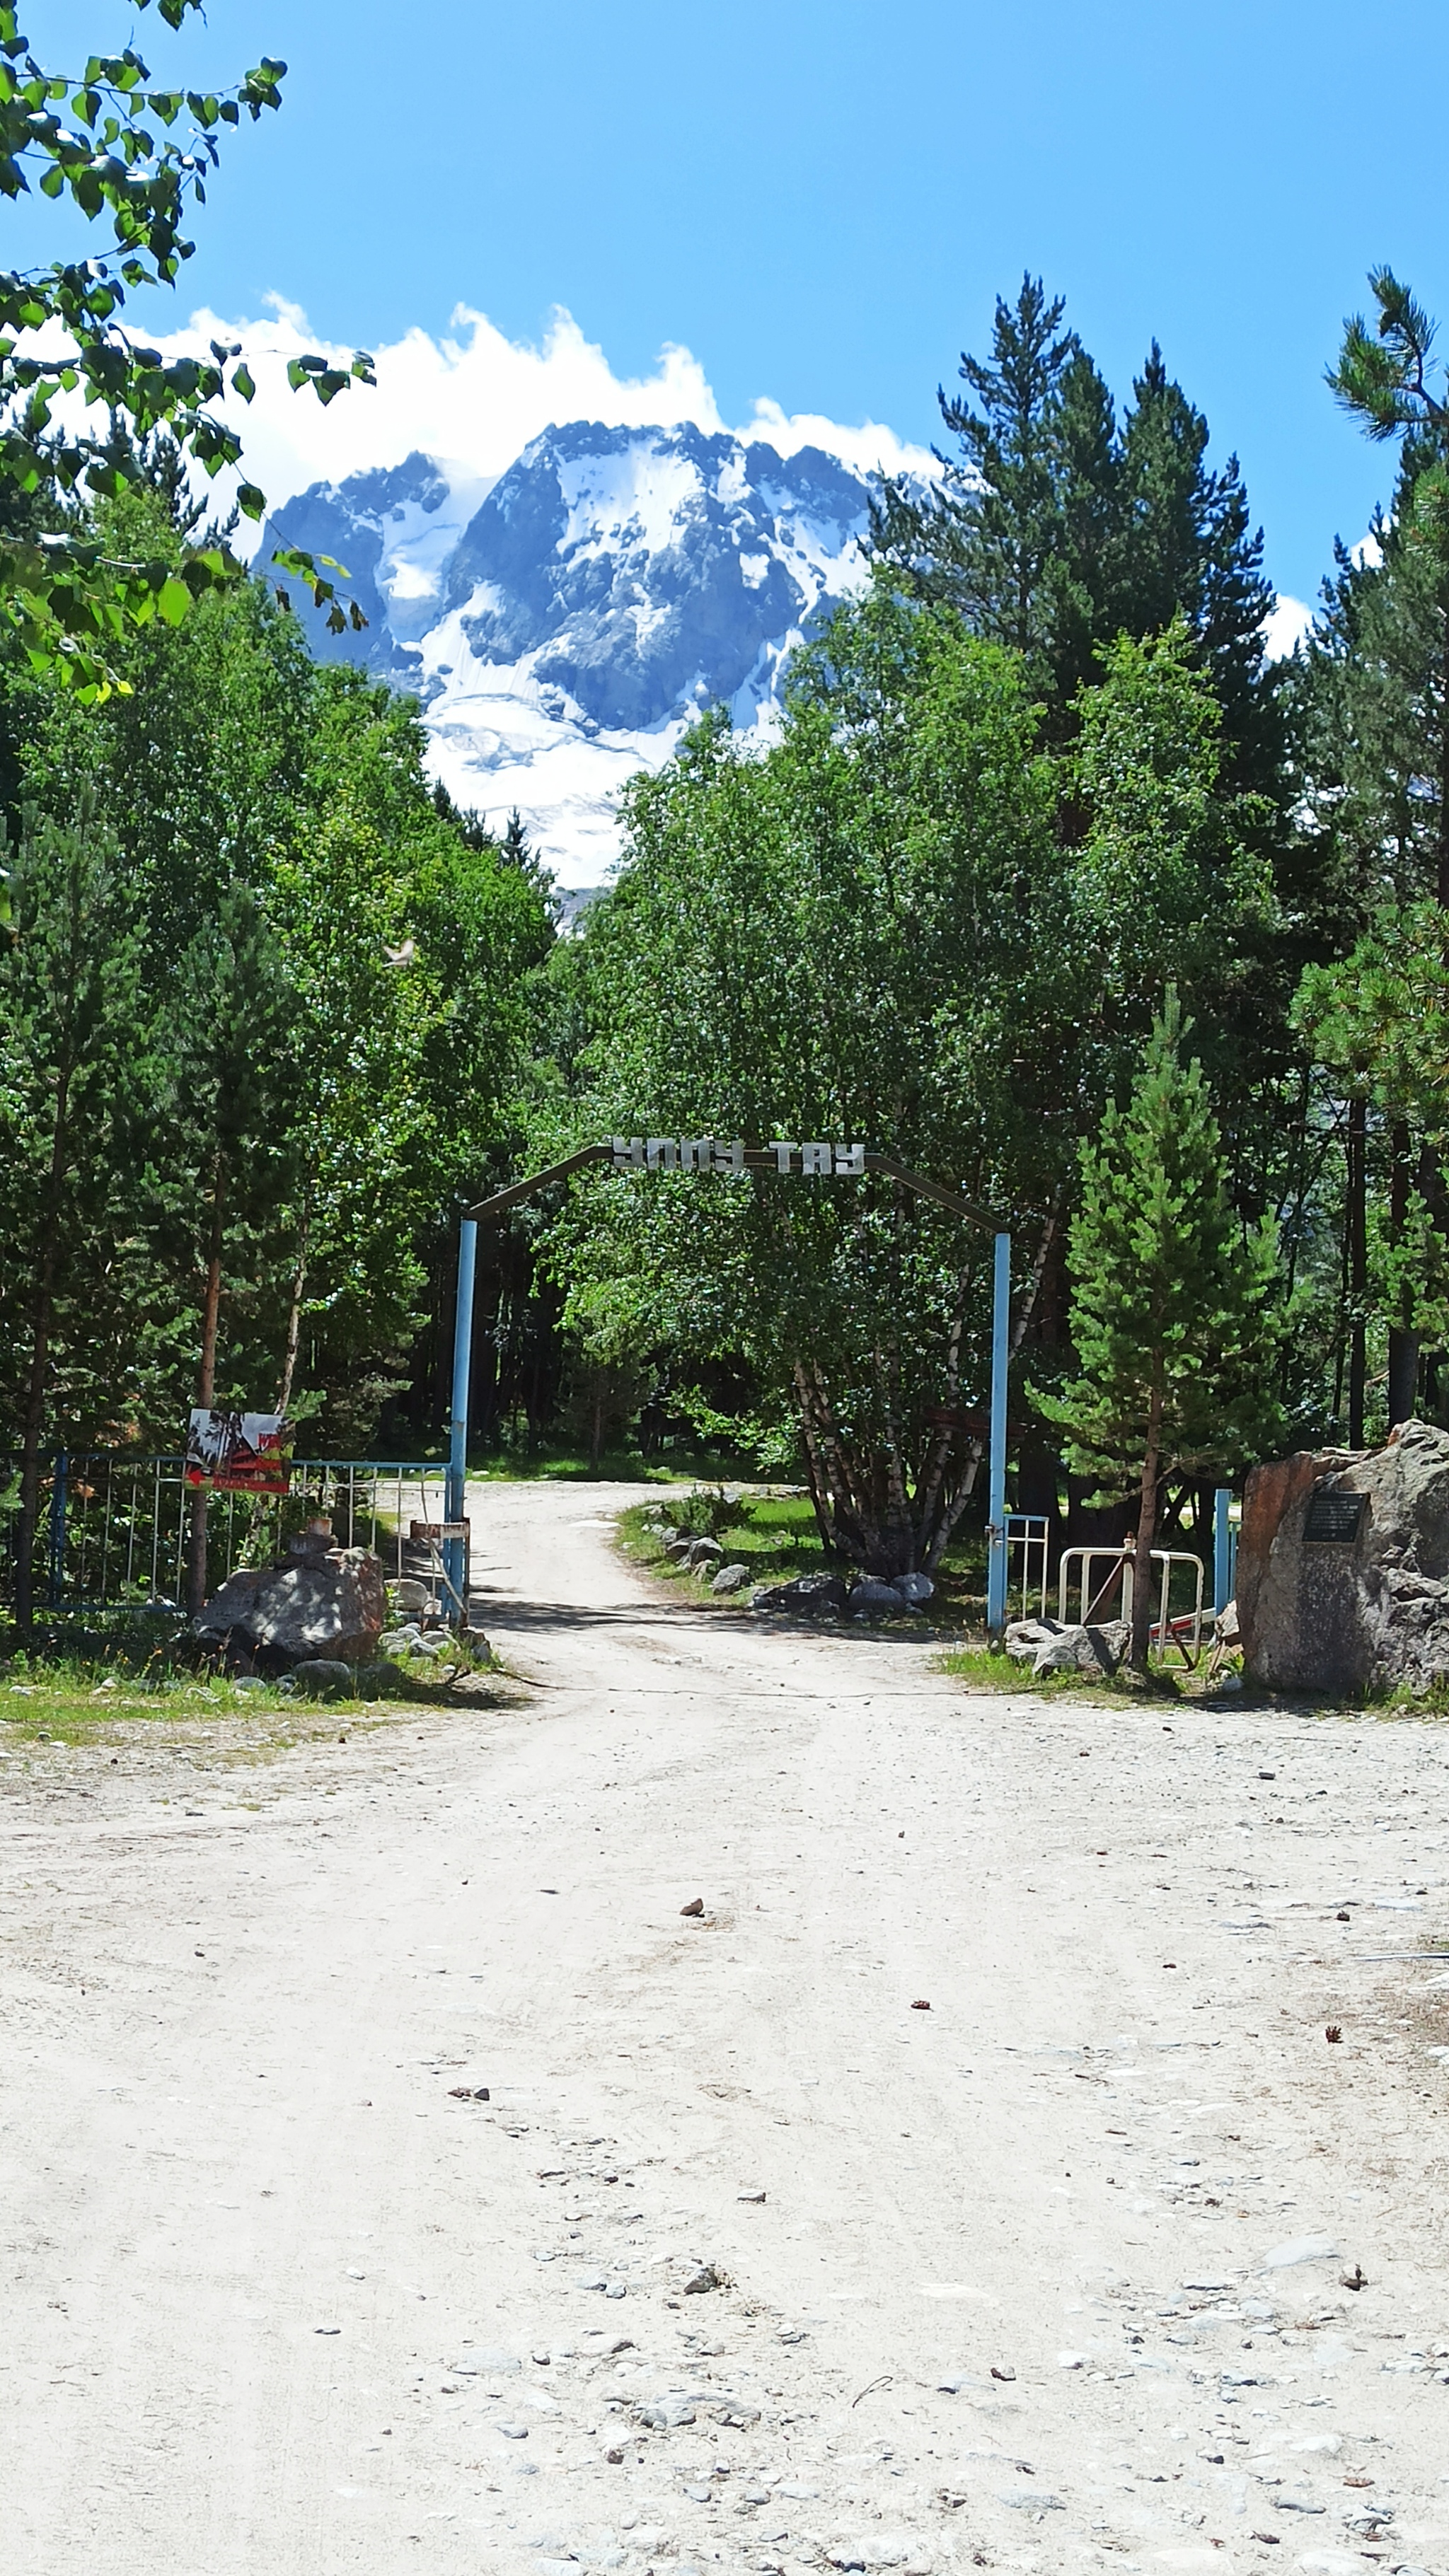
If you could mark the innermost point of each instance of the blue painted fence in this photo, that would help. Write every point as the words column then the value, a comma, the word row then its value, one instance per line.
column 114, row 1527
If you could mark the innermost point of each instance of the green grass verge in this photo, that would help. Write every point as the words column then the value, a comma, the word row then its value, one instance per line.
column 68, row 1697
column 776, row 1536
column 987, row 1668
column 616, row 1466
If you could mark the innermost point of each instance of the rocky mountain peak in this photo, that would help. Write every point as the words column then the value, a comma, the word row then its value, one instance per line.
column 561, row 625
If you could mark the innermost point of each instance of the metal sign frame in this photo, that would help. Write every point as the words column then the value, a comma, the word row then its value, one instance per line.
column 820, row 1159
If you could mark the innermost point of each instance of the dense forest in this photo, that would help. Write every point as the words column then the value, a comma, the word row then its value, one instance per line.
column 1039, row 788
column 1046, row 859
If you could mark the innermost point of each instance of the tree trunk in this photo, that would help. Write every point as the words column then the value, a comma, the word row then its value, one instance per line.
column 205, row 1394
column 1442, row 872
column 34, row 1423
column 294, row 1314
column 1142, row 1584
column 1403, row 1342
column 1357, row 1269
column 42, row 1313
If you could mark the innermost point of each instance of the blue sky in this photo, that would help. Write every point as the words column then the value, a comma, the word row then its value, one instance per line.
column 820, row 202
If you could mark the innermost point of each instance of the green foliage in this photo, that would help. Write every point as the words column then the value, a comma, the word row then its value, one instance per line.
column 326, row 989
column 138, row 157
column 804, row 918
column 75, row 1088
column 882, row 931
column 1168, row 886
column 1380, row 377
column 1055, row 528
column 1378, row 1017
column 1176, row 1312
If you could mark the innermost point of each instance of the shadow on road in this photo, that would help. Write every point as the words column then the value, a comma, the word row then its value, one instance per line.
column 497, row 1612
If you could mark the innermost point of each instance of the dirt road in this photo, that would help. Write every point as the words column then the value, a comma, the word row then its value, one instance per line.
column 1005, row 2282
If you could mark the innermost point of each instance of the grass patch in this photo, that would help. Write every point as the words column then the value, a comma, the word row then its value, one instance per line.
column 82, row 1696
column 674, row 1465
column 984, row 1667
column 773, row 1532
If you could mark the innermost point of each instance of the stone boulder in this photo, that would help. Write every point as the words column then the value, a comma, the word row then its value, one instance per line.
column 1343, row 1567
column 810, row 1596
column 323, row 1677
column 318, row 1600
column 914, row 1587
column 1051, row 1648
column 872, row 1597
column 730, row 1579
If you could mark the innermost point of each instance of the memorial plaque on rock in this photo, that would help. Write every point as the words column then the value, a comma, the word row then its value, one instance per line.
column 1343, row 1566
column 1333, row 1518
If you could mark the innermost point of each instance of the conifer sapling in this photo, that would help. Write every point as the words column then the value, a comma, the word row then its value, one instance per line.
column 1176, row 1309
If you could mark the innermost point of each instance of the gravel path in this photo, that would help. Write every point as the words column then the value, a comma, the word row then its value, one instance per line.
column 996, row 2281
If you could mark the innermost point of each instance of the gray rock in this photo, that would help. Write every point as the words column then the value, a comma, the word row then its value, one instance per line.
column 872, row 1598
column 1097, row 1649
column 666, row 2414
column 914, row 1587
column 407, row 1595
column 1343, row 1566
column 485, row 2358
column 321, row 1601
column 730, row 1578
column 380, row 1680
column 1302, row 2249
column 1050, row 1648
column 809, row 1596
column 322, row 1677
column 248, row 1681
column 704, row 1551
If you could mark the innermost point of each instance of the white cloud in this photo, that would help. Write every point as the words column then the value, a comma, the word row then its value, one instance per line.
column 1285, row 626
column 475, row 398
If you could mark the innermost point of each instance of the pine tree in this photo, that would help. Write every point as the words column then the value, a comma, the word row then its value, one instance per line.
column 75, row 1088
column 232, row 1143
column 1175, row 1312
column 986, row 540
column 1055, row 530
column 1374, row 702
column 1186, row 548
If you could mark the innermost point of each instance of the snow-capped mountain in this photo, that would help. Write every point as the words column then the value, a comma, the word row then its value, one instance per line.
column 561, row 624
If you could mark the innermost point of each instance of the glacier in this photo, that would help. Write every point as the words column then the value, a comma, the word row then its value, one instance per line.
column 562, row 622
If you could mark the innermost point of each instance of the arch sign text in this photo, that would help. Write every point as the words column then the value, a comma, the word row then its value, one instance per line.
column 822, row 1159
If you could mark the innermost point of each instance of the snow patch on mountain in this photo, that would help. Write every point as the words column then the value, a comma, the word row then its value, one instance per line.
column 562, row 622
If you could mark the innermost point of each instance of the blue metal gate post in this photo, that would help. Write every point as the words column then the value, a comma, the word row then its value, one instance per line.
column 1222, row 1549
column 456, row 1551
column 996, row 1502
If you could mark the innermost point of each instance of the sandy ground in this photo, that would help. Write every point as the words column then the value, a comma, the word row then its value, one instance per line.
column 276, row 2301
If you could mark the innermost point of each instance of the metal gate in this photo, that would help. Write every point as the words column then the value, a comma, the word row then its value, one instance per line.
column 113, row 1530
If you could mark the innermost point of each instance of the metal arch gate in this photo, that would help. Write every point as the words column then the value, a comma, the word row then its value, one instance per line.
column 817, row 1160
